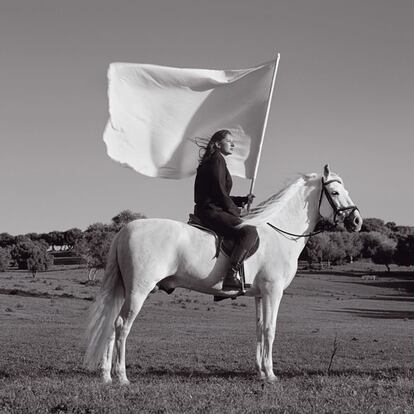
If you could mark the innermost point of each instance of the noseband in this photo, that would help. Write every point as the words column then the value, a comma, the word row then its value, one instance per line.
column 337, row 210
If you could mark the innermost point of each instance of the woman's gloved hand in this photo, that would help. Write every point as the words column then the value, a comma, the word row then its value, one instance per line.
column 250, row 198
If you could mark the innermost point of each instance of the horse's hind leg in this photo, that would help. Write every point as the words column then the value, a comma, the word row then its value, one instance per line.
column 107, row 359
column 123, row 324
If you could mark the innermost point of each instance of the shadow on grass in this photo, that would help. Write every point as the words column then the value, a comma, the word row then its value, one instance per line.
column 198, row 374
column 42, row 295
column 349, row 273
column 407, row 286
column 393, row 298
column 402, row 275
column 380, row 374
column 65, row 268
column 378, row 313
column 187, row 373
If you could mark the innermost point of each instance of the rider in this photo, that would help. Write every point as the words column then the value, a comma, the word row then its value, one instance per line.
column 214, row 206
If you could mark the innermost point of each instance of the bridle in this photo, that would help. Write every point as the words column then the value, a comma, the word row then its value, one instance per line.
column 336, row 210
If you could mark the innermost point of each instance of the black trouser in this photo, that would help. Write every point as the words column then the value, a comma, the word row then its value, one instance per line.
column 225, row 224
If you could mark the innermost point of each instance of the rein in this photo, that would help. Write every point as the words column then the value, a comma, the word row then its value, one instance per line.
column 301, row 235
column 337, row 211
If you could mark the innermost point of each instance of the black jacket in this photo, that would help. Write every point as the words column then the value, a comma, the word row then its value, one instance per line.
column 212, row 187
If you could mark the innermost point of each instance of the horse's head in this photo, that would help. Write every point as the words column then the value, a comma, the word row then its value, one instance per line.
column 335, row 203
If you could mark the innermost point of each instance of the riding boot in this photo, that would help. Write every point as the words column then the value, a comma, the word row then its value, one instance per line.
column 231, row 281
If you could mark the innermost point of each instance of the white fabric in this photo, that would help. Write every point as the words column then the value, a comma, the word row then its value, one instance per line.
column 158, row 115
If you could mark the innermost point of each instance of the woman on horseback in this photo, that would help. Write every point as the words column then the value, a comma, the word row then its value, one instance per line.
column 216, row 208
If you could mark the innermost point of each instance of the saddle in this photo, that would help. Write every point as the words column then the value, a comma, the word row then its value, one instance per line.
column 225, row 245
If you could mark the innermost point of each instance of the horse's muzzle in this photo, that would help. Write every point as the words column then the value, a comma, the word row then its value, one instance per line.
column 353, row 221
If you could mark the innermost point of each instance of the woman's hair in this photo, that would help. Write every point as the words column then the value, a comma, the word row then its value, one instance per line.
column 211, row 149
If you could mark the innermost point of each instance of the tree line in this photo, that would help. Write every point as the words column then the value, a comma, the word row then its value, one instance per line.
column 34, row 251
column 383, row 243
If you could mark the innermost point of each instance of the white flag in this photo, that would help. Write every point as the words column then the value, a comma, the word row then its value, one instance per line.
column 159, row 116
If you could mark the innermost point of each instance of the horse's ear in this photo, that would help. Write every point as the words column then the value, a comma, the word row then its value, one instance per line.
column 326, row 171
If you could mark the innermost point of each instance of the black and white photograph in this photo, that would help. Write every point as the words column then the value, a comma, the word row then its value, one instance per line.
column 207, row 206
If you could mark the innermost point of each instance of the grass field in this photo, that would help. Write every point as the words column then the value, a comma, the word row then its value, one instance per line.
column 188, row 354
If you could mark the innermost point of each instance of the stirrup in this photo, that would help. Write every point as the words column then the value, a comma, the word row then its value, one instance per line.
column 218, row 298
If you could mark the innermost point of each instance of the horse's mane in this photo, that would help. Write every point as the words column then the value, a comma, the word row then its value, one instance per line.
column 275, row 203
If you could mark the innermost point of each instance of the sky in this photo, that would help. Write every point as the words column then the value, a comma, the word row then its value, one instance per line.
column 344, row 95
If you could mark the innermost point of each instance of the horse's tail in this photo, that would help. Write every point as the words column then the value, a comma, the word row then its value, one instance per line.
column 105, row 310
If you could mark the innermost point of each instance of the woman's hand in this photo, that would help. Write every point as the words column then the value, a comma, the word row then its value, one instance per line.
column 250, row 198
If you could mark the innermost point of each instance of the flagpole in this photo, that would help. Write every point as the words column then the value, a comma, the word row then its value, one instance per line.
column 264, row 128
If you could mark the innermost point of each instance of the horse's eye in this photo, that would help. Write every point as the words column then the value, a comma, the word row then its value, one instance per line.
column 335, row 193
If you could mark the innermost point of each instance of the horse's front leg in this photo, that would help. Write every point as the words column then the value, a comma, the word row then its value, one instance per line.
column 259, row 336
column 272, row 296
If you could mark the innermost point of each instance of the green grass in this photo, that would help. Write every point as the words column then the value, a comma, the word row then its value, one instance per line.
column 188, row 354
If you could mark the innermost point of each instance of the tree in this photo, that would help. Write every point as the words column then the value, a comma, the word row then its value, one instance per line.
column 93, row 247
column 55, row 238
column 124, row 217
column 334, row 251
column 71, row 236
column 39, row 260
column 20, row 237
column 391, row 225
column 404, row 230
column 315, row 247
column 378, row 247
column 6, row 240
column 45, row 238
column 33, row 236
column 20, row 252
column 332, row 247
column 26, row 252
column 370, row 243
column 384, row 254
column 404, row 254
column 4, row 259
column 352, row 245
column 375, row 225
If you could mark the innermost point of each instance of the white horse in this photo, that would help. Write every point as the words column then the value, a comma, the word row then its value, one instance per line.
column 159, row 251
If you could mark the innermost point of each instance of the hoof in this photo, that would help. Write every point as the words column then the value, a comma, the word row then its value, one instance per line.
column 124, row 381
column 107, row 381
column 270, row 379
